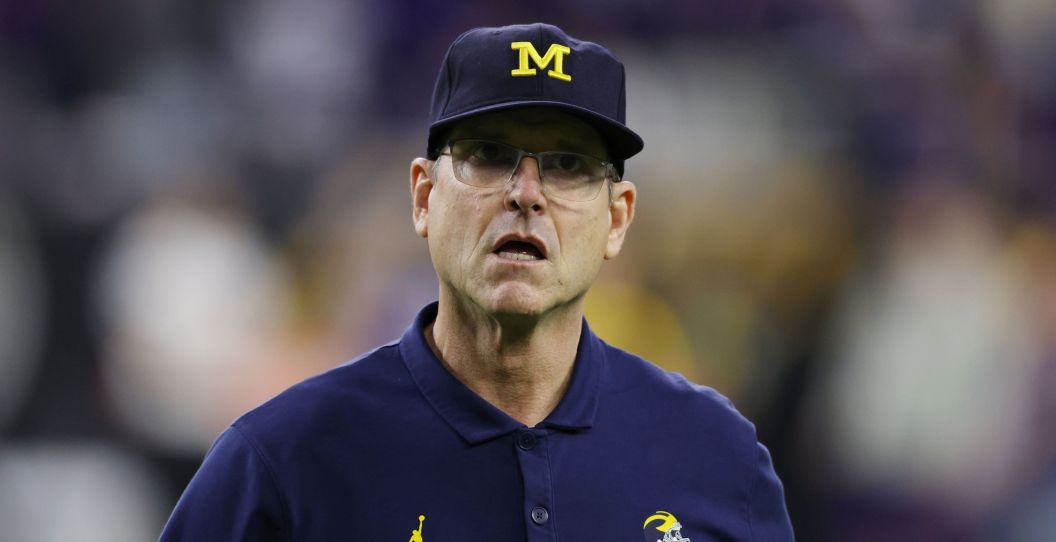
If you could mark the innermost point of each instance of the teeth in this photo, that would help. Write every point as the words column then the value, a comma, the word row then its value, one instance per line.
column 518, row 256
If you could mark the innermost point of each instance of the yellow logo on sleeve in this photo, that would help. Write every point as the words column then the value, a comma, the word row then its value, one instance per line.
column 416, row 534
column 556, row 54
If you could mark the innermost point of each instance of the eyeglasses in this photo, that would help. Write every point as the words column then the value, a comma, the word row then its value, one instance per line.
column 566, row 175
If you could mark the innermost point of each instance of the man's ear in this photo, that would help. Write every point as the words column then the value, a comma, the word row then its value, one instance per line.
column 421, row 186
column 621, row 214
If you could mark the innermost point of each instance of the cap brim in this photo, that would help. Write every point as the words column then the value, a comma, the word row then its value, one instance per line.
column 621, row 142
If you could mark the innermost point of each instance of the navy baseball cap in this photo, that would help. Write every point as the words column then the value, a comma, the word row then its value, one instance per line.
column 532, row 65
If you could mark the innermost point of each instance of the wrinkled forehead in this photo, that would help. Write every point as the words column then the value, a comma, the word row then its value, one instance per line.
column 534, row 129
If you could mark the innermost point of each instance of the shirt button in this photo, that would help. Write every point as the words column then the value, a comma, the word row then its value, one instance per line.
column 526, row 441
column 540, row 515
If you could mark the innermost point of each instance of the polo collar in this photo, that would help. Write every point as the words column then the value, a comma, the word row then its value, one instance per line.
column 476, row 419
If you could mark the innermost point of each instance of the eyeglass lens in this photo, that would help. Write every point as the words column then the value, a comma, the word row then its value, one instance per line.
column 568, row 175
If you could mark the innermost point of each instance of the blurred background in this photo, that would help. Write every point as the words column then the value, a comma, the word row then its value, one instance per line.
column 847, row 224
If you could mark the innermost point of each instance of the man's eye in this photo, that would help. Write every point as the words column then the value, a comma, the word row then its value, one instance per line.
column 568, row 162
column 487, row 152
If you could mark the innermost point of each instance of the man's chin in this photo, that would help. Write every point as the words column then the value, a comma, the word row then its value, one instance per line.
column 518, row 300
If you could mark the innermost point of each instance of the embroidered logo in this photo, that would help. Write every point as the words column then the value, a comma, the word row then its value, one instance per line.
column 556, row 54
column 666, row 523
column 416, row 535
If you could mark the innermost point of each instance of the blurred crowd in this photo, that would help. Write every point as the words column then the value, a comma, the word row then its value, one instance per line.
column 846, row 224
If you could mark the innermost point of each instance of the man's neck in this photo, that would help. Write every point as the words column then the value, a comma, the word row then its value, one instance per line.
column 521, row 366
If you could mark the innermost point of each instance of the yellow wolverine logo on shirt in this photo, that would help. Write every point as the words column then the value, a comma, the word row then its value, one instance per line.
column 667, row 524
column 416, row 534
column 556, row 54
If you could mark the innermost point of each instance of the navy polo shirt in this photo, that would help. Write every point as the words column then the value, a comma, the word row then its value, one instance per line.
column 391, row 446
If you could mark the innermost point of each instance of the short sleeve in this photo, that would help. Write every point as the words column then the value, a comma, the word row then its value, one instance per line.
column 232, row 497
column 768, row 519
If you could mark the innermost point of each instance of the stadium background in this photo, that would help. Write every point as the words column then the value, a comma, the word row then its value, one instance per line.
column 846, row 224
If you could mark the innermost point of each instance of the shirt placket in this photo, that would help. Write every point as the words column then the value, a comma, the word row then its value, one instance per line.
column 532, row 455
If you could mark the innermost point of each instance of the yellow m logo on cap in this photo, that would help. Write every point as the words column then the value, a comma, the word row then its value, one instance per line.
column 556, row 53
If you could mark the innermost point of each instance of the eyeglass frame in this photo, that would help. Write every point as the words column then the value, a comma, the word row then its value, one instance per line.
column 611, row 173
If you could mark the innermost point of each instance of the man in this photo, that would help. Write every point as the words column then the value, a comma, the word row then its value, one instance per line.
column 499, row 415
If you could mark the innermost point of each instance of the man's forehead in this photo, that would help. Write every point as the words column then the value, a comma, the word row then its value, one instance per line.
column 533, row 125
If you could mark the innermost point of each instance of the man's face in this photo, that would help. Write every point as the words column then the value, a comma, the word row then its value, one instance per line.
column 515, row 249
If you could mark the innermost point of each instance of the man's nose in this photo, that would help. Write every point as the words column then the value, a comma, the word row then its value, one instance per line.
column 524, row 192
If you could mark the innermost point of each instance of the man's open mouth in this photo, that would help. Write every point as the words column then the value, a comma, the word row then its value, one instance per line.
column 520, row 251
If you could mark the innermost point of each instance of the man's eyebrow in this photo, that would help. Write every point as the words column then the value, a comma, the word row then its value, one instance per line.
column 573, row 145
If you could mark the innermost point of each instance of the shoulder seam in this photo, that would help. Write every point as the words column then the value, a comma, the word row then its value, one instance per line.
column 271, row 475
column 748, row 497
